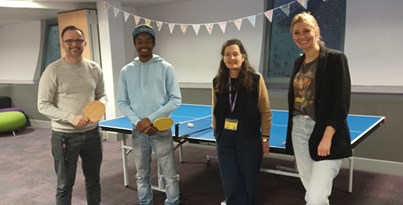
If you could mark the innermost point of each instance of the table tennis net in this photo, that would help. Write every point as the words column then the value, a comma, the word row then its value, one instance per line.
column 199, row 124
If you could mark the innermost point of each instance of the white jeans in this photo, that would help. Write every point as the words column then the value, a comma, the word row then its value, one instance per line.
column 316, row 176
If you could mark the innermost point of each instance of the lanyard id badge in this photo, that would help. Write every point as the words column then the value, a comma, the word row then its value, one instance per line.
column 232, row 103
column 231, row 124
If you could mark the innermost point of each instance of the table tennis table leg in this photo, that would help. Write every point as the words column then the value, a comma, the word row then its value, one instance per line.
column 180, row 154
column 124, row 147
column 282, row 170
column 350, row 175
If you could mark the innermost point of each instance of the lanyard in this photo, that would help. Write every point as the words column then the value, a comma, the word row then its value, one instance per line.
column 232, row 104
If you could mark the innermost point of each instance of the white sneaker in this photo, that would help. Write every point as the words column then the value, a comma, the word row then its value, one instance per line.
column 223, row 203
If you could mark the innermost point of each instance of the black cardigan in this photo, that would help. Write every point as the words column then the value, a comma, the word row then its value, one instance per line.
column 332, row 104
column 246, row 111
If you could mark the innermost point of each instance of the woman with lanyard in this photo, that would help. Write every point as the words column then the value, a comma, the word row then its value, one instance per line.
column 241, row 122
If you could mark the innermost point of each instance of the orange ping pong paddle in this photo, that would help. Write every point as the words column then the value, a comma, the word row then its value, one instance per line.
column 163, row 123
column 94, row 111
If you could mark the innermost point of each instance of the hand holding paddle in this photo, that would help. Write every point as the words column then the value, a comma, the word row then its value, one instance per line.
column 94, row 111
column 143, row 124
column 160, row 124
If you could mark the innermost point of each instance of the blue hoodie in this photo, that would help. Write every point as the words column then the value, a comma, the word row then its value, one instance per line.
column 148, row 90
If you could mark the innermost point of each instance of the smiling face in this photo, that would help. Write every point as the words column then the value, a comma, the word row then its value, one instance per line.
column 233, row 59
column 144, row 44
column 73, row 43
column 305, row 35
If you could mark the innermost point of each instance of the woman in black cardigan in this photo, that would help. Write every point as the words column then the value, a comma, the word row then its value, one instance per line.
column 319, row 102
column 241, row 122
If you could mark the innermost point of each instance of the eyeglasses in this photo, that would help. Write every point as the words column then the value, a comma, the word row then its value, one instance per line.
column 76, row 41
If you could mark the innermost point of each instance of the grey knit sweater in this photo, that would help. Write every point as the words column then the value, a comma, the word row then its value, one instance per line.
column 65, row 89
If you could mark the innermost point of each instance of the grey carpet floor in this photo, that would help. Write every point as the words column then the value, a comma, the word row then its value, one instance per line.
column 27, row 178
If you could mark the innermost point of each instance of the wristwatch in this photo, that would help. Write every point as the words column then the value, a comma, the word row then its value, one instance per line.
column 265, row 138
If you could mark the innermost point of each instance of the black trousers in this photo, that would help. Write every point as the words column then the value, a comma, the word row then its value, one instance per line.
column 88, row 146
column 239, row 158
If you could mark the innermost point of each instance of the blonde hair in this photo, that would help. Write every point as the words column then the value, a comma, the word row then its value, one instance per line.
column 309, row 19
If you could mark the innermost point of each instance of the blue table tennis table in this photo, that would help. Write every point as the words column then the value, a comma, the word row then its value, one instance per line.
column 361, row 126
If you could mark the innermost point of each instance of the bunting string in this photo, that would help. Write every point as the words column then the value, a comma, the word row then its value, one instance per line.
column 209, row 25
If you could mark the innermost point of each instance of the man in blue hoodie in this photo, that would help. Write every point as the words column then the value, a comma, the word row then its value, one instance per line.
column 148, row 89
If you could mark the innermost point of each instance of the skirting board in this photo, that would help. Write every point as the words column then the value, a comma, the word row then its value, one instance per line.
column 40, row 123
column 363, row 164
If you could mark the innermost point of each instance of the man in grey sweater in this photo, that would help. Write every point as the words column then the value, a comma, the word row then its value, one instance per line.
column 65, row 88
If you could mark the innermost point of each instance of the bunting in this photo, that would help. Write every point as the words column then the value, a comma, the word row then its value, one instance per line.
column 252, row 20
column 184, row 27
column 209, row 26
column 269, row 14
column 116, row 11
column 171, row 27
column 223, row 25
column 286, row 9
column 148, row 21
column 159, row 25
column 106, row 6
column 196, row 28
column 137, row 19
column 126, row 15
column 304, row 3
column 238, row 23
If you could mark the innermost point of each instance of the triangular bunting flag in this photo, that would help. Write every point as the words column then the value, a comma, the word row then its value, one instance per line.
column 252, row 20
column 137, row 19
column 269, row 15
column 222, row 25
column 196, row 28
column 171, row 27
column 209, row 27
column 184, row 27
column 286, row 9
column 238, row 23
column 106, row 6
column 116, row 11
column 159, row 25
column 126, row 15
column 304, row 3
column 148, row 21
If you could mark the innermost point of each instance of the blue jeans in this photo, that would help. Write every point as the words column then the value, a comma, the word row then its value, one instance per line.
column 316, row 176
column 161, row 144
column 88, row 146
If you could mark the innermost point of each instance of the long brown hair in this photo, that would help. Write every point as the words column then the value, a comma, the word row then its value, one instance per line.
column 245, row 78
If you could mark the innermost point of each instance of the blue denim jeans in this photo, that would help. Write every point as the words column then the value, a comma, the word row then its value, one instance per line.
column 161, row 144
column 88, row 146
column 316, row 176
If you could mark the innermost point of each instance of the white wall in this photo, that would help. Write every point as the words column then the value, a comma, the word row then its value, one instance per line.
column 374, row 44
column 196, row 57
column 21, row 47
